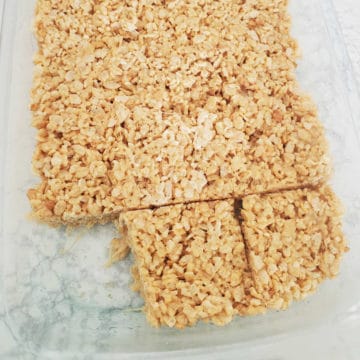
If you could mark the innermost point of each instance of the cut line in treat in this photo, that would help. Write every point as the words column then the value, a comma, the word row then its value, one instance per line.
column 294, row 241
column 156, row 235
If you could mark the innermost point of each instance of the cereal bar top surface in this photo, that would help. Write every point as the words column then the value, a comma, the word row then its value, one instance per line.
column 153, row 103
column 190, row 263
column 294, row 241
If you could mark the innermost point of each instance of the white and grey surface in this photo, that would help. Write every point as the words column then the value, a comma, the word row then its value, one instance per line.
column 324, row 342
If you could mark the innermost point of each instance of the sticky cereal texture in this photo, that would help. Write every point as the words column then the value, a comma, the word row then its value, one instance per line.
column 154, row 103
column 118, row 250
column 190, row 264
column 294, row 241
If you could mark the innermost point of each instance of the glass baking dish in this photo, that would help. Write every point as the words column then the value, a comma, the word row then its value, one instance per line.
column 61, row 301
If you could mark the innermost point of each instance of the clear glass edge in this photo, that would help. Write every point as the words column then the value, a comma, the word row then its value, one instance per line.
column 7, row 25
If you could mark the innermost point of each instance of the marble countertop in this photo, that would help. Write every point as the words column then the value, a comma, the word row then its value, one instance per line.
column 349, row 14
column 300, row 346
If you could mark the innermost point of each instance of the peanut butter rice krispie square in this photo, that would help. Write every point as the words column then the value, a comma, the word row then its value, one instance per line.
column 190, row 263
column 166, row 102
column 294, row 241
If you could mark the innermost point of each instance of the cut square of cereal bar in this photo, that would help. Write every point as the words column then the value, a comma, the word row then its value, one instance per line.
column 294, row 241
column 190, row 263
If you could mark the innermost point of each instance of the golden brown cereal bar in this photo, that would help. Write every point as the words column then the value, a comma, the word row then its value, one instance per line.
column 294, row 241
column 160, row 103
column 190, row 263
column 188, row 254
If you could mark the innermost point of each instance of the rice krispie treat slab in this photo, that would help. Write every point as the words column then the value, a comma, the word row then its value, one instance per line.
column 294, row 241
column 161, row 103
column 190, row 263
